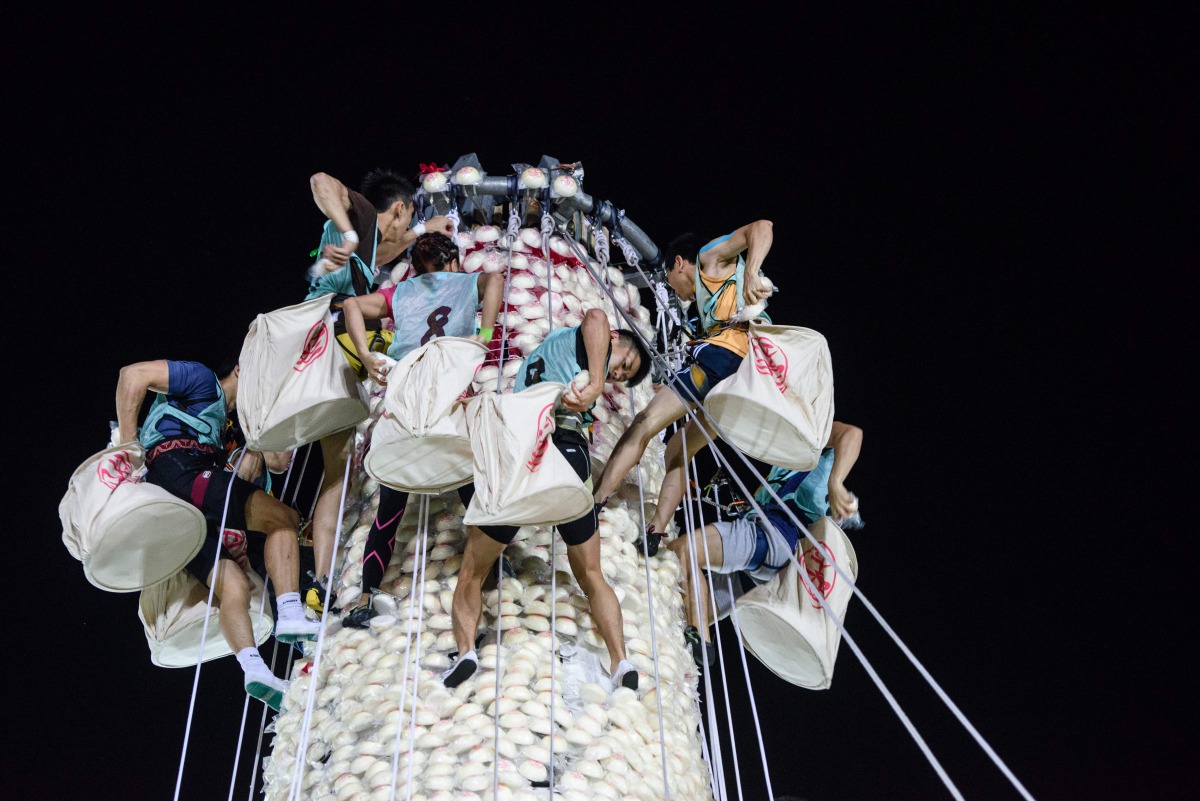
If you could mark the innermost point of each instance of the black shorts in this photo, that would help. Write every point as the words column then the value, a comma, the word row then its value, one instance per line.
column 575, row 532
column 201, row 480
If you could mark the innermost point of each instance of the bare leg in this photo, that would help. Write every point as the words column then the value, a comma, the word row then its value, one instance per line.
column 231, row 595
column 714, row 558
column 671, row 492
column 334, row 450
column 664, row 409
column 480, row 554
column 606, row 609
column 281, row 552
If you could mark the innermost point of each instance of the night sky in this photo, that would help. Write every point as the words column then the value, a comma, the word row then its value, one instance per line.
column 977, row 210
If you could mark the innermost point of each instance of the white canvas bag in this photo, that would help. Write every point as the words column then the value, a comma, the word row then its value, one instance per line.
column 295, row 386
column 778, row 406
column 782, row 622
column 172, row 614
column 128, row 532
column 420, row 442
column 520, row 477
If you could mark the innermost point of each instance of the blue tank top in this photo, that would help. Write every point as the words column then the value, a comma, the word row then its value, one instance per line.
column 193, row 407
column 438, row 304
column 806, row 493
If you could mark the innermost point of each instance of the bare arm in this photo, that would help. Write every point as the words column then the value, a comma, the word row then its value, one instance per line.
column 132, row 385
column 356, row 310
column 846, row 441
column 491, row 295
column 596, row 339
column 755, row 239
column 333, row 200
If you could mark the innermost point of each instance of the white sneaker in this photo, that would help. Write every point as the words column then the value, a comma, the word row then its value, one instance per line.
column 626, row 676
column 264, row 685
column 462, row 669
column 293, row 629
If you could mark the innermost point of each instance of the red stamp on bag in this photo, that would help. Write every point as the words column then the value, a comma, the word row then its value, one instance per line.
column 545, row 427
column 314, row 345
column 769, row 359
column 115, row 470
column 820, row 572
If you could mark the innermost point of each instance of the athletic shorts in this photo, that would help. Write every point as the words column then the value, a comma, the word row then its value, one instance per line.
column 708, row 364
column 577, row 531
column 199, row 479
column 377, row 342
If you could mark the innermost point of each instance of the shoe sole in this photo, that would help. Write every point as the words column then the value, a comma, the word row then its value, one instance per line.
column 293, row 638
column 269, row 695
column 462, row 671
column 630, row 680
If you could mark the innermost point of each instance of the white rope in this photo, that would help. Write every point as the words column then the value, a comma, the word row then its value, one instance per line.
column 547, row 232
column 716, row 627
column 315, row 672
column 237, row 754
column 662, row 746
column 416, row 672
column 496, row 702
column 262, row 724
column 187, row 731
column 412, row 593
column 553, row 653
column 715, row 753
column 600, row 246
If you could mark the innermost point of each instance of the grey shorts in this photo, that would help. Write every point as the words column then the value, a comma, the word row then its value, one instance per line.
column 749, row 552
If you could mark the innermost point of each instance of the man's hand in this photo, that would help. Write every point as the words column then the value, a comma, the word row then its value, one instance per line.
column 376, row 367
column 580, row 400
column 755, row 289
column 841, row 502
column 440, row 225
column 340, row 254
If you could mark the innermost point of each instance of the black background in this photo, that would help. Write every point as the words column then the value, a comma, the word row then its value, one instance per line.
column 979, row 210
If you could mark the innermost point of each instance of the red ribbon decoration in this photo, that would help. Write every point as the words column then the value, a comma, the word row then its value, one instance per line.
column 426, row 169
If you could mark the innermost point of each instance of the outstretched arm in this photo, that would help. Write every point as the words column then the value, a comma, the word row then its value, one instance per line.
column 356, row 310
column 846, row 440
column 596, row 339
column 333, row 199
column 132, row 385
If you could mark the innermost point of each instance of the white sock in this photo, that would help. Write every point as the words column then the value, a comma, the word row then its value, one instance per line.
column 468, row 655
column 289, row 606
column 250, row 659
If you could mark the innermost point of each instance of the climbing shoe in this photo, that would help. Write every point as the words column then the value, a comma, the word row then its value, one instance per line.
column 626, row 676
column 653, row 540
column 462, row 669
column 264, row 685
column 359, row 617
column 702, row 652
column 293, row 630
column 316, row 595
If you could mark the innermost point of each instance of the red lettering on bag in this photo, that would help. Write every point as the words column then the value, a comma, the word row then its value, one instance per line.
column 820, row 572
column 115, row 470
column 544, row 428
column 769, row 359
column 314, row 345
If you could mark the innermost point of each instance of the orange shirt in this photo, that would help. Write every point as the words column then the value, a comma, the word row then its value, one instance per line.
column 733, row 338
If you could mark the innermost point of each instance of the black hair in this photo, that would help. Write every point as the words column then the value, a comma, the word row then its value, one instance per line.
column 384, row 187
column 686, row 245
column 433, row 252
column 631, row 339
column 225, row 367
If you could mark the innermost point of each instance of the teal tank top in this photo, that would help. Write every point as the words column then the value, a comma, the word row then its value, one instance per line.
column 431, row 305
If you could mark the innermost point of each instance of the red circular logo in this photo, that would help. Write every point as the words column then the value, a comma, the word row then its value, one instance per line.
column 314, row 345
column 820, row 572
column 769, row 359
column 114, row 470
column 544, row 428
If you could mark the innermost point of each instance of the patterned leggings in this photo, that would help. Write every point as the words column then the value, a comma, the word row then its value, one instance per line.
column 381, row 541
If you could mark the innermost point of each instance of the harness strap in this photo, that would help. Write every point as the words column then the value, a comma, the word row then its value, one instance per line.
column 179, row 443
column 200, row 487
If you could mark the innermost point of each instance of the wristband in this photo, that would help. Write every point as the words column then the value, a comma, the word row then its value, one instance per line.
column 419, row 228
column 350, row 236
column 487, row 333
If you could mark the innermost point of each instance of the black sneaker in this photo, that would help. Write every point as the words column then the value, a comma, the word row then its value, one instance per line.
column 359, row 617
column 463, row 669
column 653, row 540
column 702, row 652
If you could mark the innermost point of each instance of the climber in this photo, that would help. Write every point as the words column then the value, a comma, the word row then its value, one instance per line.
column 610, row 356
column 183, row 436
column 722, row 282
column 754, row 547
column 439, row 301
column 376, row 221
